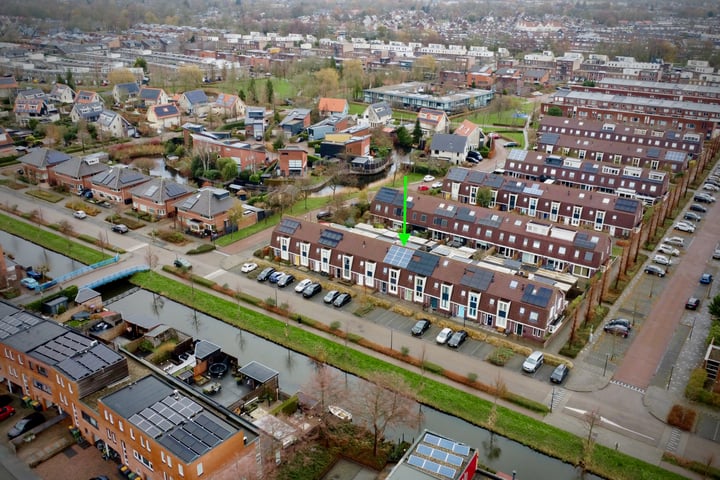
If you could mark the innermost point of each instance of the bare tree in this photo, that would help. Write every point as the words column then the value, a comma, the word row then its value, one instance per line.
column 591, row 419
column 151, row 258
column 303, row 185
column 386, row 401
column 326, row 383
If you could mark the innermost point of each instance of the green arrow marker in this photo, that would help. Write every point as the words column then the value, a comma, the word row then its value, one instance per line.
column 404, row 236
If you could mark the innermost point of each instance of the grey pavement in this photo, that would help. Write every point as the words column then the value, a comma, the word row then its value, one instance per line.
column 633, row 419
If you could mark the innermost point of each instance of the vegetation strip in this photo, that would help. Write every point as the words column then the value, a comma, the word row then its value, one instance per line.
column 544, row 438
column 51, row 241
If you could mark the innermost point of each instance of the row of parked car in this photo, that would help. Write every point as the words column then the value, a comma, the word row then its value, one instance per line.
column 306, row 287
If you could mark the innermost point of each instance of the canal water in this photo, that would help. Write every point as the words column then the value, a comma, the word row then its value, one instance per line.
column 296, row 372
column 27, row 254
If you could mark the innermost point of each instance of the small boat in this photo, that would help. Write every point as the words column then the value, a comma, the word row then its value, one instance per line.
column 340, row 413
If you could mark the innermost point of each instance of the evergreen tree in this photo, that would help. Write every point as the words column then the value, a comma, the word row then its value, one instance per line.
column 417, row 133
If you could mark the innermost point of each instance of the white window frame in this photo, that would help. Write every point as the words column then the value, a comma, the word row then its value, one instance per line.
column 347, row 261
column 304, row 254
column 419, row 290
column 445, row 296
column 393, row 280
column 502, row 313
column 473, row 299
column 370, row 273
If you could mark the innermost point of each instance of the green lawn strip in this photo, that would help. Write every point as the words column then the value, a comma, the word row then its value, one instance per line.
column 51, row 241
column 46, row 195
column 298, row 209
column 514, row 425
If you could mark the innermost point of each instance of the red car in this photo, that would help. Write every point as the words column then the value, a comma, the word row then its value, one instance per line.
column 6, row 412
column 423, row 188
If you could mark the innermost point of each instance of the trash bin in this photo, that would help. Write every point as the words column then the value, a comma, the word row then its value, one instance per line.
column 26, row 401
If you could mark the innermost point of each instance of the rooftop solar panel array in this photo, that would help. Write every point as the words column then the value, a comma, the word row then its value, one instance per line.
column 627, row 205
column 439, row 456
column 386, row 195
column 173, row 189
column 398, row 256
column 13, row 324
column 457, row 174
column 583, row 240
column 517, row 154
column 288, row 226
column 477, row 278
column 330, row 238
column 675, row 156
column 423, row 263
column 538, row 296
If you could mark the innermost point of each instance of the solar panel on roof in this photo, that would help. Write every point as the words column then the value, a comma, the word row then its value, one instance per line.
column 173, row 189
column 190, row 202
column 653, row 152
column 151, row 190
column 454, row 460
column 330, row 238
column 415, row 461
column 288, row 226
column 423, row 450
column 457, row 174
column 675, row 156
column 538, row 296
column 446, row 471
column 478, row 279
column 386, row 195
column 398, row 256
column 431, row 439
column 447, row 444
column 627, row 204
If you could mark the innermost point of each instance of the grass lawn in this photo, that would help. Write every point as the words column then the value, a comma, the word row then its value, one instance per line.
column 52, row 241
column 297, row 210
column 47, row 195
column 547, row 439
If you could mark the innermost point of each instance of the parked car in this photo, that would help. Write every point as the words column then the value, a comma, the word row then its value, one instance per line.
column 533, row 362
column 693, row 303
column 620, row 321
column 668, row 250
column 706, row 279
column 685, row 227
column 437, row 184
column 312, row 290
column 285, row 280
column 420, row 327
column 26, row 423
column 6, row 412
column 473, row 159
column 275, row 276
column 101, row 326
column 710, row 187
column 457, row 339
column 423, row 188
column 342, row 300
column 181, row 262
column 428, row 178
column 248, row 267
column 265, row 274
column 655, row 270
column 692, row 216
column 324, row 215
column 716, row 252
column 704, row 198
column 120, row 228
column 662, row 260
column 695, row 207
column 29, row 283
column 79, row 214
column 331, row 296
column 617, row 330
column 678, row 241
column 559, row 374
column 302, row 284
column 511, row 144
column 444, row 335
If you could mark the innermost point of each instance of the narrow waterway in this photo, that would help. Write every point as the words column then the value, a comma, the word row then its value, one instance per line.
column 27, row 254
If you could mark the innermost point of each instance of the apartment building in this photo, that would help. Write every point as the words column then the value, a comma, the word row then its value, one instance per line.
column 466, row 292
column 682, row 116
column 546, row 201
column 655, row 143
column 649, row 186
column 531, row 241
